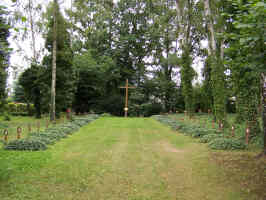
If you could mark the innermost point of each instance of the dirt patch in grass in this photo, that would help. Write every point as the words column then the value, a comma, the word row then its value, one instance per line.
column 244, row 168
column 166, row 146
column 72, row 155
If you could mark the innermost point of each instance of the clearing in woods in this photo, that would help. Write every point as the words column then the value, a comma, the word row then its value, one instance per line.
column 125, row 159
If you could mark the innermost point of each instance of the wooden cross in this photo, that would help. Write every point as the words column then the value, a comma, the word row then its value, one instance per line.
column 126, row 102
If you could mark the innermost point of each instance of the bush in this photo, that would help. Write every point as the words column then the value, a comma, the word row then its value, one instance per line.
column 106, row 115
column 43, row 138
column 6, row 117
column 20, row 109
column 201, row 132
column 149, row 109
column 226, row 144
column 30, row 144
column 3, row 126
column 209, row 137
column 19, row 113
column 11, row 107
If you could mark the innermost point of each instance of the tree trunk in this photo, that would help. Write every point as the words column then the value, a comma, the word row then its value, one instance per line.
column 32, row 33
column 210, row 25
column 264, row 109
column 52, row 108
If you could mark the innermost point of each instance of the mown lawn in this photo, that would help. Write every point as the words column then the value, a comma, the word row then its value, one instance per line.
column 130, row 159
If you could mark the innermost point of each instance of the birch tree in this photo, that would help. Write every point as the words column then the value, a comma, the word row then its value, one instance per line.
column 53, row 92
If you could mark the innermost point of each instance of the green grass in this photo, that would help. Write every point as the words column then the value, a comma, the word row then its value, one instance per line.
column 127, row 159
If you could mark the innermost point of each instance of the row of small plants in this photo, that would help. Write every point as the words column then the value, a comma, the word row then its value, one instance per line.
column 215, row 139
column 39, row 140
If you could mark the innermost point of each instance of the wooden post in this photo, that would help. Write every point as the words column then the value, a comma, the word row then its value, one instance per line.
column 19, row 130
column 219, row 125
column 38, row 126
column 68, row 113
column 247, row 134
column 5, row 135
column 222, row 127
column 126, row 98
column 47, row 123
column 233, row 131
column 29, row 127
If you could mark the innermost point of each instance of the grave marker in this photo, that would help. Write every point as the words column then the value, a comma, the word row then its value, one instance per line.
column 247, row 134
column 19, row 131
column 233, row 131
column 68, row 113
column 29, row 127
column 38, row 126
column 5, row 135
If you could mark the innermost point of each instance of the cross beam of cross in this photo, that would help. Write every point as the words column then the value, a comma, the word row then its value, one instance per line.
column 126, row 102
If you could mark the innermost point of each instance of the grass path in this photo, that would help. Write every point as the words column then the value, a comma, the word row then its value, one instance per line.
column 121, row 159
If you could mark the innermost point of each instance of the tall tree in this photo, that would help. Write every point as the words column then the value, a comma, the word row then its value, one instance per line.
column 32, row 86
column 163, row 50
column 4, row 54
column 215, row 25
column 52, row 109
column 247, row 55
column 185, row 25
column 58, row 62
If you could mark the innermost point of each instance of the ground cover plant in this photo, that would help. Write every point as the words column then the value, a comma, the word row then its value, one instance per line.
column 201, row 126
column 24, row 122
column 39, row 140
column 134, row 158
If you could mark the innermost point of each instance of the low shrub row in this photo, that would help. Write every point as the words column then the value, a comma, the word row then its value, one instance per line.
column 39, row 140
column 226, row 143
column 215, row 139
column 19, row 108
